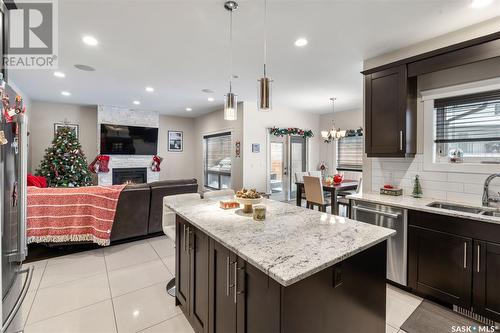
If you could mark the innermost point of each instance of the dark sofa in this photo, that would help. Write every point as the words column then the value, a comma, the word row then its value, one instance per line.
column 140, row 207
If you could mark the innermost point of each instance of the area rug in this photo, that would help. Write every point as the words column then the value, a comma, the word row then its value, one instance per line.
column 430, row 317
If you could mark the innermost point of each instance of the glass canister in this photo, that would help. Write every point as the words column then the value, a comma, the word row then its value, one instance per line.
column 259, row 212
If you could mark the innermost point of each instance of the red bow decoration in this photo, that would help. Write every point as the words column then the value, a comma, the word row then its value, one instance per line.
column 155, row 165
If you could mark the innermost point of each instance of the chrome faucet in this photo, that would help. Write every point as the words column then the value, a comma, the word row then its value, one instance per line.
column 486, row 196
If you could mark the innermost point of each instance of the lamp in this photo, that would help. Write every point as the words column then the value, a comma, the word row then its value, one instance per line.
column 333, row 134
column 230, row 103
column 265, row 82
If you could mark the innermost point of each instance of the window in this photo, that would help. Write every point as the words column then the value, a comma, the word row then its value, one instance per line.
column 470, row 123
column 350, row 153
column 217, row 160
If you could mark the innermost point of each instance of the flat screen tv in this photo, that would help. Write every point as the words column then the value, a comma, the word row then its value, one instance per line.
column 128, row 140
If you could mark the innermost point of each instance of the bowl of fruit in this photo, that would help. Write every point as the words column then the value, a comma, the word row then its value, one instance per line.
column 248, row 198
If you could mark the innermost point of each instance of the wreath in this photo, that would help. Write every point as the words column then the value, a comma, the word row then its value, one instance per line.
column 291, row 131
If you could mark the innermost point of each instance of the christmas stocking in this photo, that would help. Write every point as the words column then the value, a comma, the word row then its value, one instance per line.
column 103, row 163
column 155, row 165
column 93, row 166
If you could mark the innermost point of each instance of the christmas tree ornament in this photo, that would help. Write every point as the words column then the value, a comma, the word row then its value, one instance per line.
column 417, row 188
column 155, row 165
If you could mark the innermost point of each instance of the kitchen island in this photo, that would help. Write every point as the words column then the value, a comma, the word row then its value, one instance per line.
column 298, row 271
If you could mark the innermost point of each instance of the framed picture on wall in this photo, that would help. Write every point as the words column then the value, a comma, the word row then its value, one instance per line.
column 72, row 127
column 175, row 141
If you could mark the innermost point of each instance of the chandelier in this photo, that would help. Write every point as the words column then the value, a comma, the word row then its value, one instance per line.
column 333, row 134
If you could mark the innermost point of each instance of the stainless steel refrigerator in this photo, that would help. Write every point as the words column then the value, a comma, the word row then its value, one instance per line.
column 13, row 178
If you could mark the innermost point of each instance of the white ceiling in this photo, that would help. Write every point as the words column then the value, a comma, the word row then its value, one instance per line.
column 180, row 47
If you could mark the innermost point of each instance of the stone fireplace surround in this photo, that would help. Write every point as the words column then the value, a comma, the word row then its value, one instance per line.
column 122, row 116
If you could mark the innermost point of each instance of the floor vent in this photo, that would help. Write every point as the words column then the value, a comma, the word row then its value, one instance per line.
column 475, row 316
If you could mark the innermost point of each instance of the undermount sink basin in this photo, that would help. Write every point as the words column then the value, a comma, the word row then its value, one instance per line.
column 455, row 207
column 486, row 211
column 493, row 213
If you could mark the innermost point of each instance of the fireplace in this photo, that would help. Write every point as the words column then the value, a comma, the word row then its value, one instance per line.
column 129, row 176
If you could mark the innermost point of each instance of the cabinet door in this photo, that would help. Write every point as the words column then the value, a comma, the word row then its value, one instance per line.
column 198, row 291
column 258, row 305
column 486, row 290
column 440, row 265
column 385, row 112
column 221, row 289
column 182, row 264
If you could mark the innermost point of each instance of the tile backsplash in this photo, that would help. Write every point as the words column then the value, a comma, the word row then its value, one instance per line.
column 452, row 186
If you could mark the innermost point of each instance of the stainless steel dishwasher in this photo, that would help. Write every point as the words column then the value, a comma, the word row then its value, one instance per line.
column 392, row 218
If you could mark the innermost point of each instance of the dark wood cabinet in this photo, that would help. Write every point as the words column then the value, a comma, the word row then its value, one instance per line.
column 390, row 113
column 242, row 298
column 192, row 254
column 455, row 261
column 486, row 288
column 440, row 265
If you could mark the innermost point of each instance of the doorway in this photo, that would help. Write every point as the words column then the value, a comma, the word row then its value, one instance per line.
column 287, row 155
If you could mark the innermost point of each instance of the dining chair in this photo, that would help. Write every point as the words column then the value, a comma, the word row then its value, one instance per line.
column 218, row 193
column 168, row 223
column 314, row 193
column 342, row 200
column 299, row 176
column 315, row 173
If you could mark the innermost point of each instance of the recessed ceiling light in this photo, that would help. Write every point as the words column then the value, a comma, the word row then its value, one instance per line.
column 189, row 109
column 480, row 3
column 65, row 93
column 150, row 89
column 136, row 102
column 59, row 74
column 211, row 99
column 301, row 42
column 90, row 40
column 85, row 68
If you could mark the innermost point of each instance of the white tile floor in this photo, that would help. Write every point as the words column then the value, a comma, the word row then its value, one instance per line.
column 122, row 289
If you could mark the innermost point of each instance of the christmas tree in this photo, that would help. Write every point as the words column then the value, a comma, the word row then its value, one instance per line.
column 64, row 164
column 417, row 188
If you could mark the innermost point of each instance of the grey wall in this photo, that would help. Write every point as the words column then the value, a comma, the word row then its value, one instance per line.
column 43, row 115
column 177, row 165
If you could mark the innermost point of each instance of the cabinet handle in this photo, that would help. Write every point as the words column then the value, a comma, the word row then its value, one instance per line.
column 478, row 257
column 401, row 140
column 190, row 233
column 184, row 237
column 465, row 254
column 227, row 276
column 235, row 281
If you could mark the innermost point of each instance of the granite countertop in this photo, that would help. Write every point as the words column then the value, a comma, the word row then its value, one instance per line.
column 420, row 204
column 291, row 244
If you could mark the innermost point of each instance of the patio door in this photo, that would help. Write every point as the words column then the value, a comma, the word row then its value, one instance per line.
column 287, row 155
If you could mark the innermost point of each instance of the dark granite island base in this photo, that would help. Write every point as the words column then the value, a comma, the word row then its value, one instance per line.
column 219, row 291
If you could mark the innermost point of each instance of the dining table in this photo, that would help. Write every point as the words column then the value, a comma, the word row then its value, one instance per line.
column 332, row 188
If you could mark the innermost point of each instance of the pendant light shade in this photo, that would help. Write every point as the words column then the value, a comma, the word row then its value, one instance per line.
column 265, row 102
column 231, row 107
column 230, row 103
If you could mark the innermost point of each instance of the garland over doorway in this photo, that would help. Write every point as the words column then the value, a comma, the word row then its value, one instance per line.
column 291, row 131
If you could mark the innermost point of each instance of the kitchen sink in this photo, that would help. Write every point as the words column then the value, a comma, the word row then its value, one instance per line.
column 458, row 208
column 493, row 213
column 467, row 209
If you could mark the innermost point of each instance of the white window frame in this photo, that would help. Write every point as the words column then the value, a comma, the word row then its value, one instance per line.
column 431, row 161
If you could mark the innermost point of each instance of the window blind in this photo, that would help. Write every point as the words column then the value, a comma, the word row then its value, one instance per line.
column 218, row 152
column 468, row 118
column 350, row 153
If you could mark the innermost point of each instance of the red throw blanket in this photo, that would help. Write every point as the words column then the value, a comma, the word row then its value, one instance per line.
column 72, row 214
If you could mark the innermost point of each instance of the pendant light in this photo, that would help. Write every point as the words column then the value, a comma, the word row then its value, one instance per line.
column 333, row 134
column 230, row 103
column 265, row 82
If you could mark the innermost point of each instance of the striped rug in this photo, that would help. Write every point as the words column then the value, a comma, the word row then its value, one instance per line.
column 72, row 214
